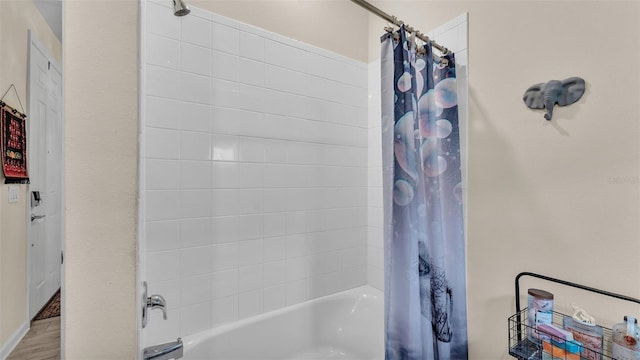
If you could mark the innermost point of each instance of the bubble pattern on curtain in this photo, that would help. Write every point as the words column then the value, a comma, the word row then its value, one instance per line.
column 425, row 286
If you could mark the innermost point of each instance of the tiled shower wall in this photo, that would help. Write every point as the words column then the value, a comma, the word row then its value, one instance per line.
column 253, row 167
column 453, row 35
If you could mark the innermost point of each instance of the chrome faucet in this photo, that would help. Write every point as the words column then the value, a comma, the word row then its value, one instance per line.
column 157, row 302
column 151, row 302
column 170, row 350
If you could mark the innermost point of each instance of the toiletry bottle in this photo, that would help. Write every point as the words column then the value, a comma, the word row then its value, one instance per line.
column 626, row 339
column 540, row 311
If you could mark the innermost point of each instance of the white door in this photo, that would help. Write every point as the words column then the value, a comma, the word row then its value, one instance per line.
column 44, row 205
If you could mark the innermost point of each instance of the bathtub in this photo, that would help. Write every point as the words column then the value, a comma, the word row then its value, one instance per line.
column 345, row 325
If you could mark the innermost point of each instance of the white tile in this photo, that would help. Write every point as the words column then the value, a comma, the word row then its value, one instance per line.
column 275, row 199
column 250, row 175
column 250, row 303
column 349, row 257
column 162, row 235
column 162, row 174
column 283, row 79
column 251, row 252
column 251, row 46
column 162, row 51
column 195, row 145
column 225, row 65
column 201, row 13
column 250, row 277
column 195, row 59
column 161, row 21
column 251, row 149
column 224, row 148
column 296, row 176
column 275, row 176
column 225, row 256
column 195, row 232
column 195, row 203
column 250, row 226
column 275, row 102
column 195, row 318
column 162, row 113
column 297, row 245
column 334, row 282
column 251, row 72
column 275, row 248
column 252, row 98
column 195, row 290
column 195, row 88
column 275, row 224
column 224, row 283
column 162, row 82
column 277, row 53
column 274, row 273
column 195, row 174
column 297, row 199
column 196, row 31
column 317, row 263
column 275, row 151
column 316, row 286
column 225, row 120
column 162, row 205
column 249, row 201
column 195, row 261
column 162, row 266
column 275, row 297
column 296, row 269
column 224, row 310
column 224, row 229
column 296, row 292
column 223, row 202
column 224, row 175
column 225, row 38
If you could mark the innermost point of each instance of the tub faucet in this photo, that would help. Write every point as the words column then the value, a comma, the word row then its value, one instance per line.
column 151, row 302
column 170, row 350
column 157, row 302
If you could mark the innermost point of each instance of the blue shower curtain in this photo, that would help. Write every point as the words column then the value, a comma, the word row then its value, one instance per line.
column 425, row 286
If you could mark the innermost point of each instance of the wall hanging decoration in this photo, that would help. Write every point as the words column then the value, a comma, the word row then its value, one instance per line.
column 13, row 137
column 546, row 95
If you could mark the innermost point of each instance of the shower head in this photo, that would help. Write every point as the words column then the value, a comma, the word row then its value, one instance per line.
column 180, row 8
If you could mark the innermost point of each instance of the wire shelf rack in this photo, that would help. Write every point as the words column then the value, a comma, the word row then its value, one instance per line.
column 523, row 348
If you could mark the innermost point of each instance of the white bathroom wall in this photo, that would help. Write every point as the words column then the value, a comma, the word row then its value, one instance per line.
column 454, row 36
column 254, row 170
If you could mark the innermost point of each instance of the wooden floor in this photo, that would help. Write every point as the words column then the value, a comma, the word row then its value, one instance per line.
column 42, row 342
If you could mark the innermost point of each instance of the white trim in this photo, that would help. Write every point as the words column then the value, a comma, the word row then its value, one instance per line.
column 14, row 340
column 140, row 244
column 63, row 197
column 27, row 207
column 34, row 41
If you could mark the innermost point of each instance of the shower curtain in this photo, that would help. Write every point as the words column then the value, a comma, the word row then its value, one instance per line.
column 425, row 289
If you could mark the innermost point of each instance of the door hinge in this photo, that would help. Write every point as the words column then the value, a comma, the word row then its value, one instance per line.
column 49, row 66
column 61, row 257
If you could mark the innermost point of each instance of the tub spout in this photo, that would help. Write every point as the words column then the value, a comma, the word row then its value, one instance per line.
column 170, row 350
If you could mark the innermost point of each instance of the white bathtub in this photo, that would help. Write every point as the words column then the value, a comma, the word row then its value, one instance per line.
column 346, row 325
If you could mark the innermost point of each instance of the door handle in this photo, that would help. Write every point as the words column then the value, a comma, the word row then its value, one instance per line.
column 36, row 217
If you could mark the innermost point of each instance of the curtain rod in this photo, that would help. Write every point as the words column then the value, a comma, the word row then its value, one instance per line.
column 395, row 21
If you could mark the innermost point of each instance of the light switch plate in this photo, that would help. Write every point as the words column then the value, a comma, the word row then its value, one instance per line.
column 14, row 192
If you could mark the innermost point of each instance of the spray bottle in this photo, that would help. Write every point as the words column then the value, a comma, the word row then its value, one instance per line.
column 626, row 339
